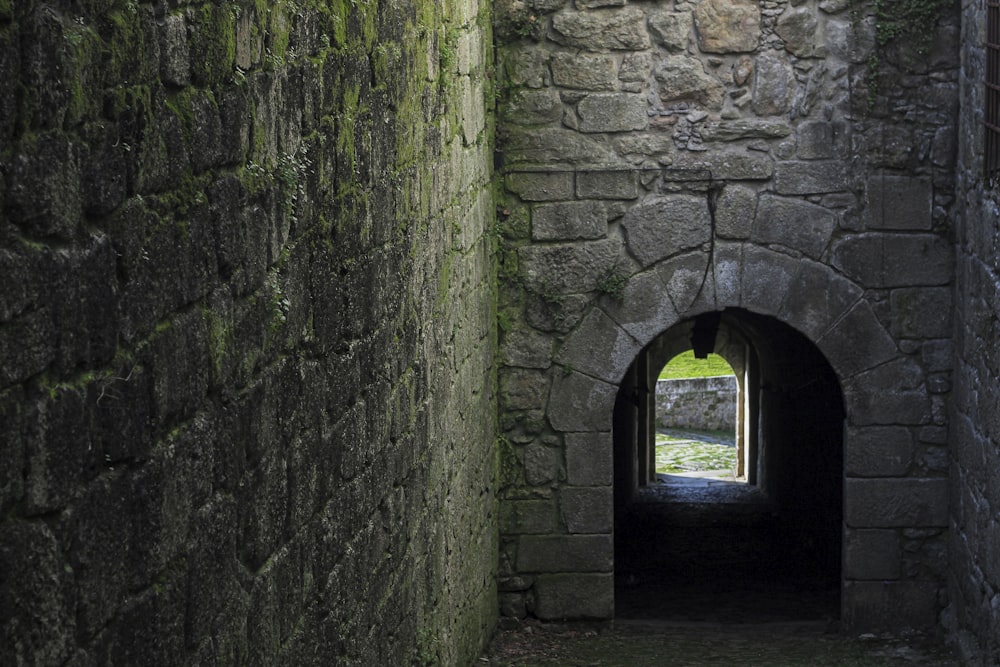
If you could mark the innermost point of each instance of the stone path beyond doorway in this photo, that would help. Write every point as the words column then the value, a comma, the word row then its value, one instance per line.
column 652, row 643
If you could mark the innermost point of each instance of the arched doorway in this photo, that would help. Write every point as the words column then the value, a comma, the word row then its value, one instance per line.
column 770, row 544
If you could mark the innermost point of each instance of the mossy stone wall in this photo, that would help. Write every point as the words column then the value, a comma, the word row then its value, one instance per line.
column 246, row 332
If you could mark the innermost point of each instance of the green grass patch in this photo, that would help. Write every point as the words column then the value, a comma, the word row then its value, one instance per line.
column 684, row 365
column 676, row 454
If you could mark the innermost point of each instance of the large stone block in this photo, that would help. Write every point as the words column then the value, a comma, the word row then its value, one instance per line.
column 857, row 342
column 773, row 85
column 872, row 554
column 552, row 146
column 615, row 29
column 727, row 26
column 892, row 606
column 567, row 221
column 794, row 223
column 813, row 177
column 528, row 517
column 532, row 107
column 607, row 184
column 690, row 281
column 612, row 112
column 584, row 71
column 797, row 27
column 817, row 297
column 878, row 451
column 565, row 553
column 683, row 79
column 588, row 459
column 566, row 267
column 896, row 502
column 726, row 165
column 580, row 403
column 586, row 509
column 671, row 29
column 644, row 308
column 735, row 210
column 665, row 225
column 767, row 276
column 892, row 393
column 526, row 348
column 522, row 389
column 895, row 260
column 599, row 347
column 541, row 185
column 575, row 596
column 921, row 312
column 899, row 203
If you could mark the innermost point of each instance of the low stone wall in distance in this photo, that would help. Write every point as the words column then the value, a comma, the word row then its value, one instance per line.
column 697, row 403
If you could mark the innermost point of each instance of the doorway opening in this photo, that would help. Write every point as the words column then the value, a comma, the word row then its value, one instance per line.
column 696, row 422
column 767, row 544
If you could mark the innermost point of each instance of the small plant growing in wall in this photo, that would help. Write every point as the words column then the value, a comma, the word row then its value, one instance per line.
column 514, row 20
column 612, row 283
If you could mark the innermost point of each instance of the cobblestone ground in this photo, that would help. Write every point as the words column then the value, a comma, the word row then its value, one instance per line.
column 651, row 643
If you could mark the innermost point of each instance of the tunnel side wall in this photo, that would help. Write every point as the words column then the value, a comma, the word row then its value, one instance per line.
column 247, row 412
column 975, row 430
column 661, row 162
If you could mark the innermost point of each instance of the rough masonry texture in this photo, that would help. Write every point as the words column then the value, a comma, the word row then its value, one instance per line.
column 698, row 403
column 668, row 160
column 290, row 375
column 246, row 333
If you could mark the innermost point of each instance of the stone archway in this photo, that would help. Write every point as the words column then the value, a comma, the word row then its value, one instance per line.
column 558, row 544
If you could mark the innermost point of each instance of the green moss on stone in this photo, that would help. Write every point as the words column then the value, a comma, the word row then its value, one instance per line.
column 213, row 43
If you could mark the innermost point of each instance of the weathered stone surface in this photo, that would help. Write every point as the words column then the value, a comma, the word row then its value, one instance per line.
column 525, row 66
column 617, row 29
column 588, row 459
column 609, row 184
column 872, row 555
column 671, row 29
column 773, row 85
column 566, row 221
column 551, row 270
column 893, row 393
column 899, row 203
column 689, row 279
column 584, row 71
column 578, row 403
column 818, row 297
column 797, row 27
column 744, row 129
column 888, row 260
column 820, row 140
column 576, row 596
column 893, row 606
column 598, row 347
column 526, row 348
column 878, row 451
column 665, row 225
column 805, row 178
column 553, row 146
column 735, row 211
column 727, row 26
column 541, row 185
column 896, row 502
column 767, row 276
column 533, row 107
column 728, row 166
column 591, row 4
column 612, row 112
column 921, row 312
column 683, row 79
column 565, row 553
column 857, row 342
column 794, row 223
column 642, row 309
column 528, row 517
column 521, row 388
column 586, row 509
column 541, row 464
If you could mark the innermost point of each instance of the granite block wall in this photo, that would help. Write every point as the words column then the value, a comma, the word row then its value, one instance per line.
column 246, row 332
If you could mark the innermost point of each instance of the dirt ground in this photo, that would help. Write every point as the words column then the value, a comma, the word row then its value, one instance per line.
column 649, row 643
